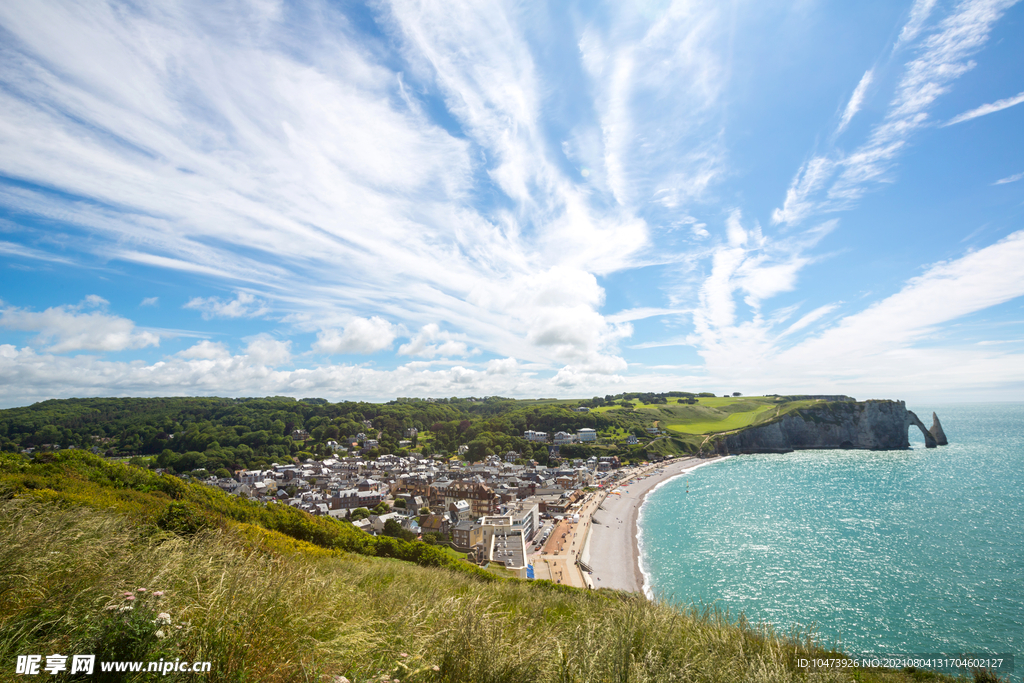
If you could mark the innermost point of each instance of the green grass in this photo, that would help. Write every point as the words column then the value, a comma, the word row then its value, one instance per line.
column 264, row 606
column 452, row 552
column 721, row 414
column 274, row 617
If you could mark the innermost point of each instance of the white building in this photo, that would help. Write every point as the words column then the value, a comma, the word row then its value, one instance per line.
column 587, row 434
column 562, row 438
column 539, row 437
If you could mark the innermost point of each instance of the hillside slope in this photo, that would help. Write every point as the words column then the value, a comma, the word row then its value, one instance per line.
column 81, row 542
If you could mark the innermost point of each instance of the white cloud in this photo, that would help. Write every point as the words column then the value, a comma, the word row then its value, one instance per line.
column 264, row 350
column 360, row 335
column 69, row 328
column 244, row 305
column 632, row 314
column 207, row 370
column 987, row 109
column 1009, row 179
column 205, row 350
column 856, row 100
column 150, row 301
column 919, row 14
column 431, row 341
column 502, row 366
column 699, row 230
column 810, row 179
column 944, row 57
column 945, row 292
column 808, row 319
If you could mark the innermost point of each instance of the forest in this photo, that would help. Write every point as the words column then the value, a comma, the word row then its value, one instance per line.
column 221, row 435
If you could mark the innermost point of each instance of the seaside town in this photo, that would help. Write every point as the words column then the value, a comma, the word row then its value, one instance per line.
column 529, row 519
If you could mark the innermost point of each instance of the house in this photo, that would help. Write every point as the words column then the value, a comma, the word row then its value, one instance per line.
column 300, row 435
column 481, row 497
column 377, row 522
column 438, row 524
column 465, row 535
column 632, row 440
column 536, row 437
column 461, row 509
column 562, row 438
column 586, row 434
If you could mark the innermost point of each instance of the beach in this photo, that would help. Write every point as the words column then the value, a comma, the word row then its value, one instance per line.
column 611, row 548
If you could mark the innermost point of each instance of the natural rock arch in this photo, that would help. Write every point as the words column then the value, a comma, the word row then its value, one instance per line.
column 929, row 438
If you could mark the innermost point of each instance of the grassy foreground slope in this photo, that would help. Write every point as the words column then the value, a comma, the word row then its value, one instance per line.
column 79, row 536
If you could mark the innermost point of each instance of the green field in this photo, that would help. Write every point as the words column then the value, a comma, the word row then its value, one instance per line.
column 709, row 415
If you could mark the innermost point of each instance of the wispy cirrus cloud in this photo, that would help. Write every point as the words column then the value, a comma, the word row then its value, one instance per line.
column 1009, row 179
column 237, row 161
column 984, row 109
column 856, row 100
column 919, row 13
column 944, row 57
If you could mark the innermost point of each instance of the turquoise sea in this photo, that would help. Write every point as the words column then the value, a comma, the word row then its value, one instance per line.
column 917, row 551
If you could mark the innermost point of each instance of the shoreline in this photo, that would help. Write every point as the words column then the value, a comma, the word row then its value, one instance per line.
column 612, row 548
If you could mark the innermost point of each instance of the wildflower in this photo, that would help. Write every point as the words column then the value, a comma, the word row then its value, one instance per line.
column 160, row 633
column 163, row 618
column 158, row 594
column 435, row 668
column 111, row 608
column 127, row 594
column 140, row 590
column 129, row 597
column 403, row 654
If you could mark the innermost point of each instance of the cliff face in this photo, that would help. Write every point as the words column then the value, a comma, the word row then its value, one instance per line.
column 874, row 425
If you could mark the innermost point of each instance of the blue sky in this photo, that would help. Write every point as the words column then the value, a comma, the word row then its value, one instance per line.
column 569, row 199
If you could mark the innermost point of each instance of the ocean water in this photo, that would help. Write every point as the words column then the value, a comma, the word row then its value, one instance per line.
column 917, row 551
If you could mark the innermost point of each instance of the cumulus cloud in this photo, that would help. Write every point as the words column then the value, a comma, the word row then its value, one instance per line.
column 502, row 366
column 244, row 305
column 432, row 341
column 264, row 350
column 207, row 370
column 360, row 335
column 71, row 328
column 205, row 350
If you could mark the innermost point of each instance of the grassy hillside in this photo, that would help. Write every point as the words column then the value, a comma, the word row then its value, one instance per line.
column 86, row 546
column 707, row 415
